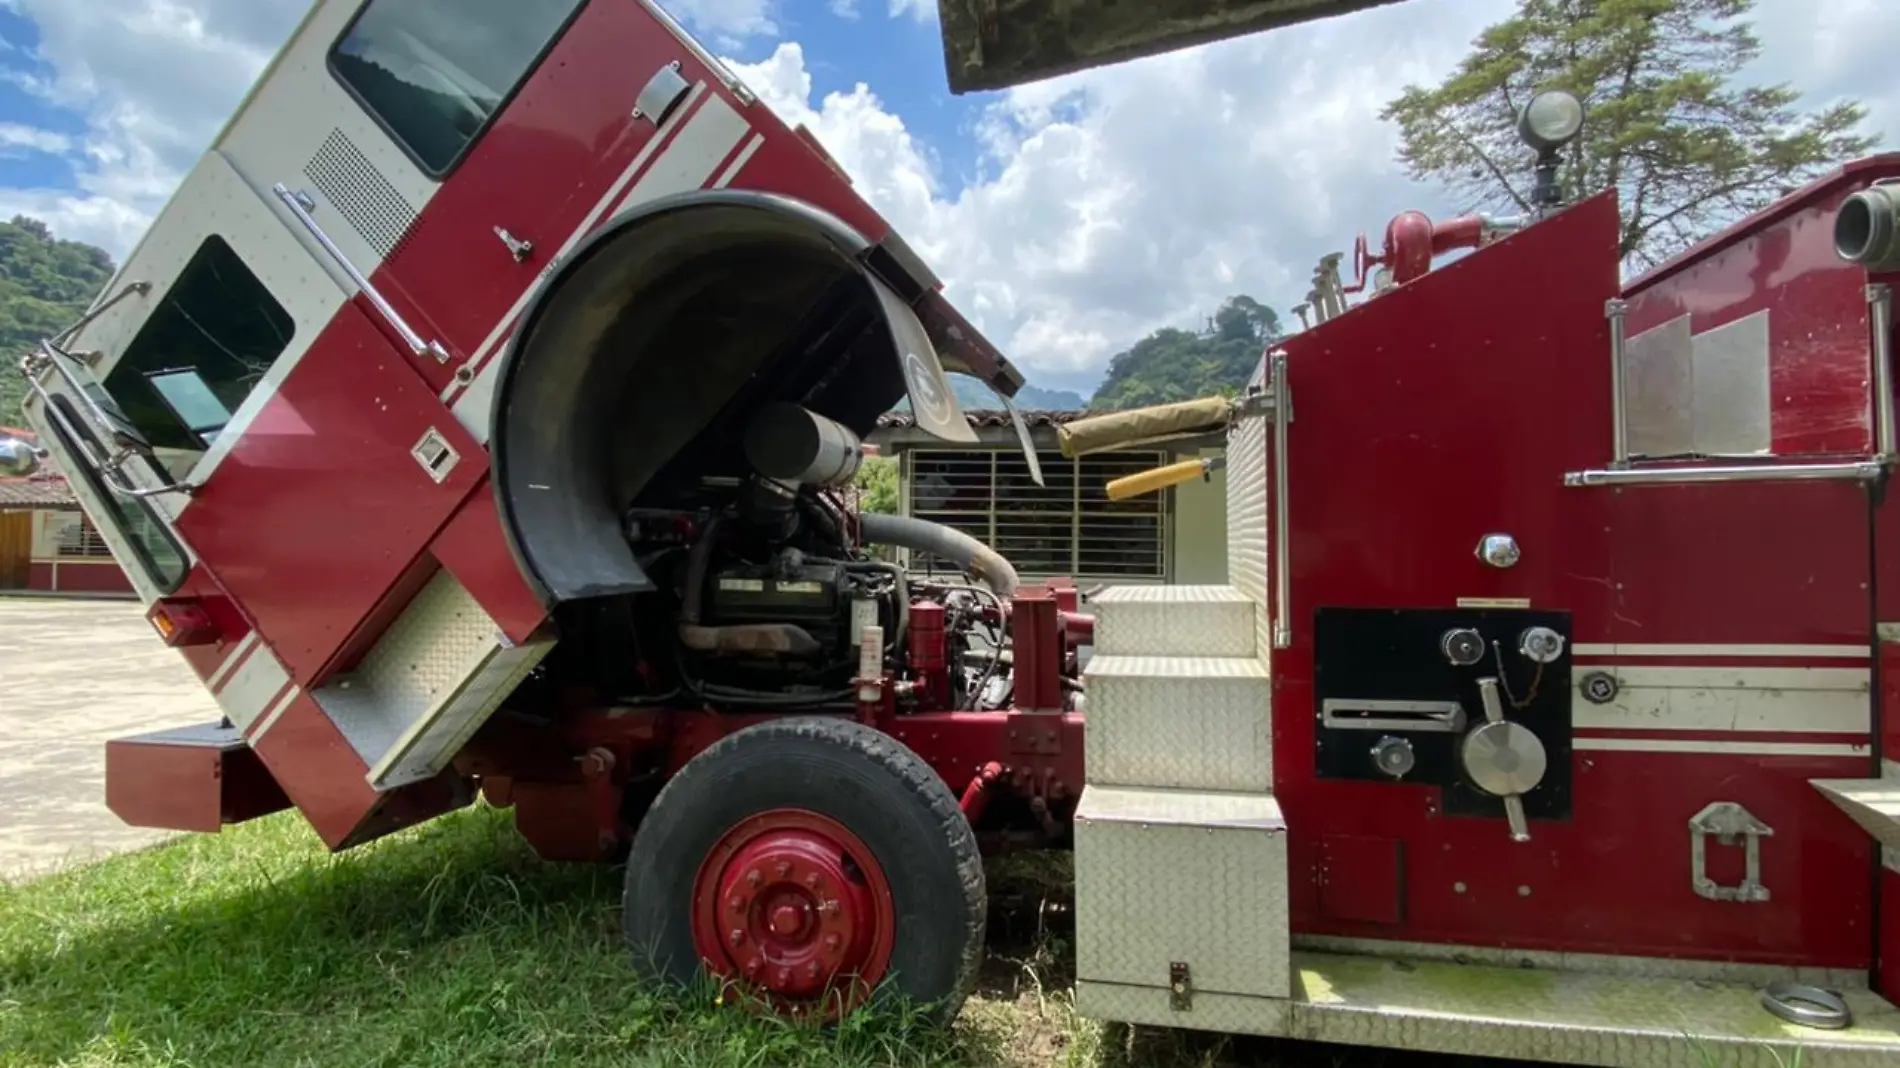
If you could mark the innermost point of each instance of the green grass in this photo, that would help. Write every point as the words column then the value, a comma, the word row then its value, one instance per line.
column 451, row 945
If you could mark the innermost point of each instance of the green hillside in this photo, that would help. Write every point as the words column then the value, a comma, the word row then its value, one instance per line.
column 45, row 284
column 1174, row 365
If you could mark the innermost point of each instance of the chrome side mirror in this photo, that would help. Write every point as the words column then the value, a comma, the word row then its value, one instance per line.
column 18, row 459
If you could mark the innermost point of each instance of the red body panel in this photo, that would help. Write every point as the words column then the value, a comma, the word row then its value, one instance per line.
column 320, row 508
column 542, row 164
column 1817, row 320
column 1464, row 422
column 473, row 549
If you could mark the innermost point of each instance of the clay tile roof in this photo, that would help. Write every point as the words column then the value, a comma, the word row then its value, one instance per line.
column 36, row 492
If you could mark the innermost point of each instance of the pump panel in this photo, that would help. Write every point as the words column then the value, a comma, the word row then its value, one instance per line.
column 1398, row 699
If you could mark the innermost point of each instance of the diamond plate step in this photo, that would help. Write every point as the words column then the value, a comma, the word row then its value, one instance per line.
column 1167, row 877
column 1873, row 803
column 1180, row 722
column 1173, row 621
column 1517, row 1014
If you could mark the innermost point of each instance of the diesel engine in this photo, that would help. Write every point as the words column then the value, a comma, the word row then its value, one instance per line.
column 768, row 580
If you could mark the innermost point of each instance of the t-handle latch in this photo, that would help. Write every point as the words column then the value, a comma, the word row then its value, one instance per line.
column 1504, row 759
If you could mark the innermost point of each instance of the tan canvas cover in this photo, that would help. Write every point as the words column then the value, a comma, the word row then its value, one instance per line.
column 1144, row 426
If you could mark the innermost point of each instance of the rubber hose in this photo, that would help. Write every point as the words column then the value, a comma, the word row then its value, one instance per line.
column 921, row 535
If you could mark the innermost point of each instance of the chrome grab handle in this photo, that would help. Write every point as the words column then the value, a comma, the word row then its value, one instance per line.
column 1352, row 714
column 1844, row 471
column 301, row 205
column 141, row 288
column 1880, row 311
column 724, row 73
column 112, row 468
column 1282, row 558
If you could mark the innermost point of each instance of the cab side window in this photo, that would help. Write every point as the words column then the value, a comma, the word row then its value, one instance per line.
column 205, row 347
column 435, row 72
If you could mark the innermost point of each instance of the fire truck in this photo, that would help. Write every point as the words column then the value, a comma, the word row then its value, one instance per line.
column 477, row 422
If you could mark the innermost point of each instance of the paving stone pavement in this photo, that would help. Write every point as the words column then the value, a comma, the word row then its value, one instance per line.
column 72, row 675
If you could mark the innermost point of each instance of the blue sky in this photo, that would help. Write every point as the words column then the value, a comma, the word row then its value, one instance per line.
column 1068, row 218
column 23, row 165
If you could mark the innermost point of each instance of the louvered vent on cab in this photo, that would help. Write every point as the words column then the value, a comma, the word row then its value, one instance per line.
column 360, row 193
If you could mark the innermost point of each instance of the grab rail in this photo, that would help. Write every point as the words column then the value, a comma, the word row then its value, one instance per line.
column 301, row 205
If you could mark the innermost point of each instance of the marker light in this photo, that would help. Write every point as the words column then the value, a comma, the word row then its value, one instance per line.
column 1550, row 120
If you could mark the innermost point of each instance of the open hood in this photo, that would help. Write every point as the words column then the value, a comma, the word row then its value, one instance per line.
column 994, row 44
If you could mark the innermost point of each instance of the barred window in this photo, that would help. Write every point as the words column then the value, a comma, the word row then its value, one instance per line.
column 82, row 540
column 1067, row 526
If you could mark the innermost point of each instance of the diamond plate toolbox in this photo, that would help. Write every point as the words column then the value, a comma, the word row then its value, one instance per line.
column 1182, row 891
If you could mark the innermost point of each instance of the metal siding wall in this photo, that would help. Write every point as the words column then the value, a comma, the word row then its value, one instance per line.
column 1247, row 518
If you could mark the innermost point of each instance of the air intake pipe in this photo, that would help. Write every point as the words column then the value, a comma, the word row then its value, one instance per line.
column 1867, row 227
column 922, row 536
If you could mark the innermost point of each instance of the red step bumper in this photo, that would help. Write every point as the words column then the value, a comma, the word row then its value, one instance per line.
column 197, row 778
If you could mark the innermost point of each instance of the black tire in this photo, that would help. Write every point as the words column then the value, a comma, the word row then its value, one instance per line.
column 878, row 790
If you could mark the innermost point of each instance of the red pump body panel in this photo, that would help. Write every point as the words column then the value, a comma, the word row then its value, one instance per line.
column 1465, row 422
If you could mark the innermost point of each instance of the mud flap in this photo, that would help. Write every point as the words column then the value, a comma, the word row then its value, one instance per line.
column 932, row 400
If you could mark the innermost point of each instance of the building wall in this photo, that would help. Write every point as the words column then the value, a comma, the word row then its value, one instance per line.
column 1200, row 530
column 69, row 557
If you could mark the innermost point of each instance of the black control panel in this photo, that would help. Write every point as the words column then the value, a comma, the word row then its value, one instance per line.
column 1397, row 693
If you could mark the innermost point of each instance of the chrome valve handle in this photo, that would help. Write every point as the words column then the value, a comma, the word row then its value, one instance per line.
column 1504, row 759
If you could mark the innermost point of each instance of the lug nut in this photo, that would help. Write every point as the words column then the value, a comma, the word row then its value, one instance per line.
column 753, row 878
column 737, row 936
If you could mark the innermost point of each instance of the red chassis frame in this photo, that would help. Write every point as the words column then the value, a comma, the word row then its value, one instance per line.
column 1031, row 754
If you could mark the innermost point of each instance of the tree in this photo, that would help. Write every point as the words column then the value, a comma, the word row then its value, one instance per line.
column 45, row 285
column 1686, row 147
column 876, row 481
column 1175, row 365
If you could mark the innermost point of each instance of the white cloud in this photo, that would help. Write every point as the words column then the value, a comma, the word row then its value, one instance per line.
column 726, row 21
column 1104, row 204
column 1115, row 201
column 921, row 10
column 14, row 136
column 154, row 80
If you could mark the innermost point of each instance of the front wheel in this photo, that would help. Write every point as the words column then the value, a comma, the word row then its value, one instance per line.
column 812, row 864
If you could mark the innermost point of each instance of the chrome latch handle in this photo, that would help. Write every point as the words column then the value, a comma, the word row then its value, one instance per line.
column 301, row 204
column 1505, row 759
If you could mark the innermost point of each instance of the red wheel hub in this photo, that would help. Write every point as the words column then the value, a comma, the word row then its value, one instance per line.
column 794, row 907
